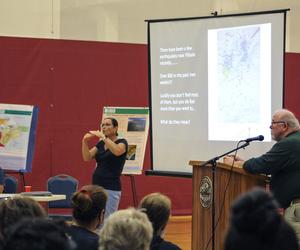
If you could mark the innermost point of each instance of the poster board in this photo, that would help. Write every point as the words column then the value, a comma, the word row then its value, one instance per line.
column 133, row 126
column 17, row 136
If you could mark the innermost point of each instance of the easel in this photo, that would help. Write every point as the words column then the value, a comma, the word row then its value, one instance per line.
column 133, row 189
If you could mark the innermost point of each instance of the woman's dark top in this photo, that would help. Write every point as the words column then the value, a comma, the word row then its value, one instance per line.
column 84, row 238
column 109, row 167
column 159, row 243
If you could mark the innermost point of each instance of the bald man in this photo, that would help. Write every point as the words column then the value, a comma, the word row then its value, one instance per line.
column 282, row 162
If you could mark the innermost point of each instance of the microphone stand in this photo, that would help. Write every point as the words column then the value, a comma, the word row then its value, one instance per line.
column 213, row 163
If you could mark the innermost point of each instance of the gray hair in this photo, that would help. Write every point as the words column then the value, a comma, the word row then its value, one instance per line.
column 127, row 229
column 288, row 117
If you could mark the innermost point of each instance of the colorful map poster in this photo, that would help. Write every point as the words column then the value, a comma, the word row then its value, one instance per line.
column 17, row 136
column 133, row 126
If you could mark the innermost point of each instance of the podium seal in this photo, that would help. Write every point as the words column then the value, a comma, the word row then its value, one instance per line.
column 206, row 192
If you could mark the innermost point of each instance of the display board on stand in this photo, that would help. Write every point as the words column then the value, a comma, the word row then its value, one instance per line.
column 17, row 136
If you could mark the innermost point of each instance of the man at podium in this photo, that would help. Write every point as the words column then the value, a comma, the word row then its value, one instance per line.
column 282, row 161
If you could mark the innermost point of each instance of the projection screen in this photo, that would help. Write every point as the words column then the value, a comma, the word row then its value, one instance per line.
column 213, row 81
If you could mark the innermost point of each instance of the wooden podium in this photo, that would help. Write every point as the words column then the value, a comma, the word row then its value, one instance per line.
column 202, row 219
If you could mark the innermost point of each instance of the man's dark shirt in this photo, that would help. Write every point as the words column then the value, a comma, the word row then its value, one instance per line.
column 282, row 162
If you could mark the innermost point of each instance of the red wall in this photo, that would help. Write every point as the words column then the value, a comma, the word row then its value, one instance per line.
column 70, row 82
column 292, row 83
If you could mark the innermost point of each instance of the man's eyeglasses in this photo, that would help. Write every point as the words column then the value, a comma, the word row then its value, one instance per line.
column 277, row 122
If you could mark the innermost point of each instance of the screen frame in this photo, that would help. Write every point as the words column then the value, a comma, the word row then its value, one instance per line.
column 152, row 171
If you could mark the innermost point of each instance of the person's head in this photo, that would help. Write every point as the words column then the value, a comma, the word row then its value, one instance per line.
column 14, row 209
column 256, row 224
column 89, row 206
column 283, row 123
column 109, row 127
column 127, row 229
column 37, row 234
column 158, row 208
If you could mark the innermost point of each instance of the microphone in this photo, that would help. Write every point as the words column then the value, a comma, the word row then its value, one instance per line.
column 256, row 138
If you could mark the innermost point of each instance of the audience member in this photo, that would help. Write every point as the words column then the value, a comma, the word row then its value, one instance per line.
column 37, row 234
column 13, row 210
column 88, row 213
column 127, row 229
column 256, row 224
column 158, row 208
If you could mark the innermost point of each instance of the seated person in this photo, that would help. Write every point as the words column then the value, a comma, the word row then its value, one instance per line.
column 13, row 210
column 158, row 208
column 37, row 234
column 127, row 229
column 256, row 224
column 88, row 213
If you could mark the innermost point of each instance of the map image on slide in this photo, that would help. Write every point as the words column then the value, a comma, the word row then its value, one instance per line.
column 13, row 134
column 238, row 70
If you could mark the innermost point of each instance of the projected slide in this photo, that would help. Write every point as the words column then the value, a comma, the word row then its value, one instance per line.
column 178, row 96
column 239, row 60
column 214, row 81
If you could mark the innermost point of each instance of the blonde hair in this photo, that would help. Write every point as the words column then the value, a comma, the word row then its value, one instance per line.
column 158, row 208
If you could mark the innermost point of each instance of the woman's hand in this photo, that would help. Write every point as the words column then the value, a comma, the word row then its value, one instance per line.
column 87, row 137
column 88, row 154
column 97, row 133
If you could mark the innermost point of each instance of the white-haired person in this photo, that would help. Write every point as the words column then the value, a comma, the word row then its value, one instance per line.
column 127, row 229
column 282, row 161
